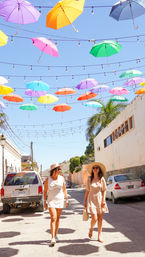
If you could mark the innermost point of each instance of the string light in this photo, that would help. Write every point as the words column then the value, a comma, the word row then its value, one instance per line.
column 92, row 12
column 12, row 40
column 66, row 69
column 13, row 66
column 31, row 67
column 79, row 43
column 48, row 68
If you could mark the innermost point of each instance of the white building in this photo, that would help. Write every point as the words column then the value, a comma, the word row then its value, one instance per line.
column 10, row 157
column 121, row 145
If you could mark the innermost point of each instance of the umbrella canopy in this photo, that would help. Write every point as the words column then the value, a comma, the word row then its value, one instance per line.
column 28, row 107
column 3, row 80
column 32, row 93
column 38, row 86
column 118, row 98
column 48, row 99
column 3, row 39
column 100, row 89
column 64, row 13
column 105, row 48
column 134, row 81
column 4, row 90
column 61, row 108
column 2, row 105
column 130, row 74
column 86, row 96
column 18, row 11
column 13, row 98
column 118, row 91
column 93, row 104
column 140, row 91
column 87, row 83
column 65, row 91
column 142, row 83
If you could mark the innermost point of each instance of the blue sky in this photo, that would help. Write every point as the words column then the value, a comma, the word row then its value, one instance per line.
column 57, row 136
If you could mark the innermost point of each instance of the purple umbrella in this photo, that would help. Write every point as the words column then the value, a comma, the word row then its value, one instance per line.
column 100, row 89
column 35, row 93
column 134, row 81
column 18, row 11
column 87, row 83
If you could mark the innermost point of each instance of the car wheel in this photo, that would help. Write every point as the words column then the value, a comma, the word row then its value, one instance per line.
column 113, row 199
column 6, row 208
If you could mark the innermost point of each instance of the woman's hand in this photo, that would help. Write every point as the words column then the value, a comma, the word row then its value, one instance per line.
column 67, row 203
column 45, row 206
column 103, row 204
column 85, row 205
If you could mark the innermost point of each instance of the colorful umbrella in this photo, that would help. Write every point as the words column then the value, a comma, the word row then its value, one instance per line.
column 46, row 46
column 2, row 105
column 86, row 96
column 48, row 99
column 29, row 107
column 3, row 80
column 18, row 11
column 100, row 88
column 38, row 86
column 134, row 81
column 140, row 91
column 32, row 93
column 130, row 74
column 142, row 83
column 105, row 48
column 87, row 83
column 65, row 91
column 4, row 90
column 13, row 98
column 118, row 98
column 93, row 104
column 127, row 9
column 3, row 39
column 119, row 91
column 64, row 13
column 61, row 107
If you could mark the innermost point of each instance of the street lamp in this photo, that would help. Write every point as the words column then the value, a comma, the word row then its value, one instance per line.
column 3, row 140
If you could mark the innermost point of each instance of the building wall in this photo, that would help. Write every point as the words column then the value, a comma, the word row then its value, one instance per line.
column 129, row 149
column 80, row 178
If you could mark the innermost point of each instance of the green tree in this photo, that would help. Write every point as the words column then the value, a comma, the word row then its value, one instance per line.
column 74, row 162
column 82, row 159
column 89, row 152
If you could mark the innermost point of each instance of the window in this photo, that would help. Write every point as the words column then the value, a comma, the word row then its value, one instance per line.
column 126, row 126
column 119, row 131
column 131, row 122
column 116, row 134
column 122, row 129
column 108, row 141
column 21, row 179
column 113, row 136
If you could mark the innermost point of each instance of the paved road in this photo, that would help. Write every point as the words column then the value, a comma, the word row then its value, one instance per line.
column 25, row 233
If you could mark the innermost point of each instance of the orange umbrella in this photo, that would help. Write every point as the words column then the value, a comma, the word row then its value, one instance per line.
column 140, row 91
column 64, row 13
column 65, row 91
column 87, row 96
column 13, row 98
column 61, row 107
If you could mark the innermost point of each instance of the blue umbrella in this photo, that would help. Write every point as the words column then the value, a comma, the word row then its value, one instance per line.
column 38, row 86
column 127, row 9
column 93, row 104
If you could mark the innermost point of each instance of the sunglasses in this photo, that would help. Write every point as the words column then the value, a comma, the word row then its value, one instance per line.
column 95, row 168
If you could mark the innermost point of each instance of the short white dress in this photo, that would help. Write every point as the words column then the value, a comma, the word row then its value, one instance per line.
column 55, row 195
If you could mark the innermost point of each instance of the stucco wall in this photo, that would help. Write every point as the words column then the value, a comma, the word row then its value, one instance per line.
column 80, row 178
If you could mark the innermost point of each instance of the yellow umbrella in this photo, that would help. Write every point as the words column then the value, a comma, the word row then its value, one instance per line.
column 47, row 99
column 64, row 13
column 4, row 90
column 140, row 91
column 142, row 83
column 3, row 39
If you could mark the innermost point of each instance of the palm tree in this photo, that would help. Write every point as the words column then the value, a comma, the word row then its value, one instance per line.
column 107, row 113
column 2, row 120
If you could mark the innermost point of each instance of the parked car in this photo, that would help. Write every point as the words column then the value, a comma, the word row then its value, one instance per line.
column 68, row 184
column 124, row 185
column 23, row 189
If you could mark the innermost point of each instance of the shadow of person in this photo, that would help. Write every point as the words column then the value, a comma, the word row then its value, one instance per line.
column 63, row 231
column 8, row 252
column 78, row 249
column 9, row 234
column 12, row 220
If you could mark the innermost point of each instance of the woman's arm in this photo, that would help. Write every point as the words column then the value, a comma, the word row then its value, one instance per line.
column 65, row 193
column 85, row 198
column 45, row 193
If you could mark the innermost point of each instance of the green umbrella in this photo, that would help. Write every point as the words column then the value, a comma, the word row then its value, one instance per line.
column 130, row 74
column 106, row 48
column 28, row 107
column 118, row 98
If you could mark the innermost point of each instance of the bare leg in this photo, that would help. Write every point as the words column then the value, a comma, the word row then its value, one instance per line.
column 58, row 211
column 100, row 221
column 53, row 215
column 93, row 222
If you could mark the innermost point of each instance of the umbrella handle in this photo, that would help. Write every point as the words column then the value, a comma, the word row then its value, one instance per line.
column 74, row 28
column 135, row 27
column 69, row 19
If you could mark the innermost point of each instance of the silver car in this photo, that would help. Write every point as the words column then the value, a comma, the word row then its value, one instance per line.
column 124, row 185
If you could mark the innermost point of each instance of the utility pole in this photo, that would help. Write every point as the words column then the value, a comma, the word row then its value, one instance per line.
column 32, row 165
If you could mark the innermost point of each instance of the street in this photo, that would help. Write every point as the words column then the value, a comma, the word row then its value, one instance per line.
column 26, row 233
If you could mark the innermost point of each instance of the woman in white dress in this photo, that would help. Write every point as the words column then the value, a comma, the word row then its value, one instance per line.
column 55, row 191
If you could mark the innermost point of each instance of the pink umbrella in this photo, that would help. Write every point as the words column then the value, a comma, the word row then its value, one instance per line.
column 33, row 93
column 119, row 91
column 134, row 81
column 45, row 45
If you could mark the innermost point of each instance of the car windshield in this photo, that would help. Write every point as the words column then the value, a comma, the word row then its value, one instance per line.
column 125, row 177
column 21, row 179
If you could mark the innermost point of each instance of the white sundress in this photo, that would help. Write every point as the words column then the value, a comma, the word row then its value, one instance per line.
column 55, row 197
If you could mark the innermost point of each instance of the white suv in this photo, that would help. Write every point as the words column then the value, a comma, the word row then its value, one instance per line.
column 23, row 189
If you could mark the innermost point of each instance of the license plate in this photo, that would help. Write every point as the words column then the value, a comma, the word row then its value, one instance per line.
column 21, row 193
column 130, row 186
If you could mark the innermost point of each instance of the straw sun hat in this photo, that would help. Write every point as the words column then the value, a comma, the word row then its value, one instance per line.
column 54, row 166
column 101, row 165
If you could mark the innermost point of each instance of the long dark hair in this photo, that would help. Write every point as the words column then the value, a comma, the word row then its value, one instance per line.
column 100, row 173
column 51, row 172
